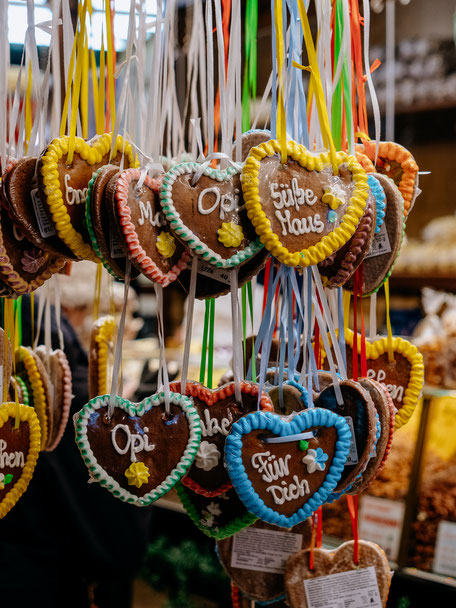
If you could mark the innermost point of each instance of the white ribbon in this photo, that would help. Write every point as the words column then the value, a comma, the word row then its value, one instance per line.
column 188, row 329
column 203, row 166
column 236, row 330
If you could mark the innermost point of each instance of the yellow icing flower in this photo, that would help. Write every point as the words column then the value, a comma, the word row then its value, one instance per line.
column 165, row 244
column 330, row 199
column 137, row 474
column 230, row 234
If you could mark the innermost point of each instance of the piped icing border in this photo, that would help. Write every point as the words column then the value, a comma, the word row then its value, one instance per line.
column 105, row 328
column 24, row 397
column 26, row 414
column 67, row 398
column 184, row 233
column 393, row 151
column 365, row 161
column 211, row 397
column 38, row 392
column 408, row 350
column 138, row 409
column 380, row 200
column 90, row 230
column 313, row 162
column 271, row 422
column 237, row 524
column 147, row 265
column 92, row 153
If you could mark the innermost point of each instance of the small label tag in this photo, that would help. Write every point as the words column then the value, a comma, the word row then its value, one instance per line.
column 380, row 521
column 380, row 244
column 264, row 550
column 115, row 246
column 445, row 549
column 213, row 273
column 44, row 223
column 352, row 457
column 353, row 589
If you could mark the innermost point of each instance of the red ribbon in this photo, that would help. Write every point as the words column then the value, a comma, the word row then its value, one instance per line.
column 352, row 503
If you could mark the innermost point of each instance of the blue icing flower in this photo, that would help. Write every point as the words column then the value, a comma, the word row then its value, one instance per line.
column 315, row 460
column 321, row 456
column 380, row 200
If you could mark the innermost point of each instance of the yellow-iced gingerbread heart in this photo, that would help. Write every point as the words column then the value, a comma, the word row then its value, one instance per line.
column 301, row 210
column 19, row 449
column 64, row 186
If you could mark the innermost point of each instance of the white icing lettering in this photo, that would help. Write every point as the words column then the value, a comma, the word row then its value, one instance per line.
column 228, row 202
column 10, row 459
column 299, row 226
column 135, row 442
column 74, row 196
column 147, row 214
column 396, row 392
column 211, row 426
column 291, row 195
column 295, row 490
column 270, row 468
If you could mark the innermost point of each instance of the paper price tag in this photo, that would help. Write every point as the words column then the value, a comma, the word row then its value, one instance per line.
column 445, row 549
column 44, row 223
column 352, row 589
column 380, row 244
column 264, row 550
column 380, row 521
column 115, row 246
column 352, row 457
column 214, row 273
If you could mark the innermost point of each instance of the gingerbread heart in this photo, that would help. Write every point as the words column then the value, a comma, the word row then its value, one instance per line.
column 288, row 397
column 105, row 237
column 208, row 216
column 146, row 238
column 284, row 483
column 101, row 343
column 250, row 139
column 378, row 263
column 26, row 209
column 403, row 378
column 385, row 411
column 64, row 186
column 256, row 563
column 341, row 265
column 23, row 267
column 213, row 282
column 142, row 451
column 397, row 163
column 302, row 211
column 334, row 562
column 217, row 516
column 218, row 410
column 58, row 371
column 358, row 410
column 31, row 370
column 19, row 448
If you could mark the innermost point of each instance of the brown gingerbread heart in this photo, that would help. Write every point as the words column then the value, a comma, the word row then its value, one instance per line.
column 105, row 235
column 255, row 557
column 208, row 216
column 218, row 410
column 142, row 451
column 146, row 237
column 19, row 449
column 359, row 411
column 63, row 185
column 334, row 562
column 26, row 209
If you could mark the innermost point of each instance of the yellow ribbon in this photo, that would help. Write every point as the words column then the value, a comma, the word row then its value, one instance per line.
column 318, row 87
column 111, row 89
column 28, row 108
column 362, row 135
column 388, row 324
column 97, row 295
column 346, row 304
column 281, row 116
column 102, row 87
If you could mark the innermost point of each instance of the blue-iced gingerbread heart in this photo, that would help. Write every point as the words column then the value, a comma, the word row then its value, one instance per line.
column 284, row 483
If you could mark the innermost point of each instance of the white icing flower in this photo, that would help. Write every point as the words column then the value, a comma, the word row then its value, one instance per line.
column 207, row 520
column 207, row 456
column 310, row 459
column 214, row 509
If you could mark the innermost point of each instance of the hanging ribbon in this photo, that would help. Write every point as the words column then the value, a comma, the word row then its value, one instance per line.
column 388, row 323
column 352, row 503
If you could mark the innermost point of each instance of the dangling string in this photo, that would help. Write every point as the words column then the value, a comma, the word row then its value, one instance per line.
column 363, row 330
column 373, row 317
column 355, row 326
column 204, row 342
column 163, row 378
column 118, row 351
column 188, row 329
column 238, row 368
